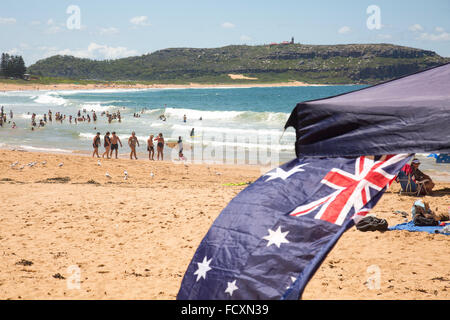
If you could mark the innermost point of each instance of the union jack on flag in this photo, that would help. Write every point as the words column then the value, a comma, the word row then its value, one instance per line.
column 271, row 238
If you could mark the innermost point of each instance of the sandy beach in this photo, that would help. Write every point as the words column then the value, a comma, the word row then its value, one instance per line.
column 134, row 238
column 68, row 86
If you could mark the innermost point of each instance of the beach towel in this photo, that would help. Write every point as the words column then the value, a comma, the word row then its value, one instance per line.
column 413, row 228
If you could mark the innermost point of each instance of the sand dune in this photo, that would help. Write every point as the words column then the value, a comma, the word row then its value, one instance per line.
column 134, row 238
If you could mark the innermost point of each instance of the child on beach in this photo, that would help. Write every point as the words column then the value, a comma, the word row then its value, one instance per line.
column 96, row 144
column 107, row 144
column 160, row 146
column 132, row 141
column 115, row 140
column 150, row 148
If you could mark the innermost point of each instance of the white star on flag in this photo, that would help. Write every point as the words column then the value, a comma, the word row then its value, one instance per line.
column 231, row 287
column 292, row 280
column 276, row 237
column 203, row 268
column 280, row 173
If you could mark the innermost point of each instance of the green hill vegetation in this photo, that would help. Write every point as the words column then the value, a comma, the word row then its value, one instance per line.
column 326, row 64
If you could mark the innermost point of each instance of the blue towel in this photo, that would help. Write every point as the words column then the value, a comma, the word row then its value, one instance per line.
column 411, row 227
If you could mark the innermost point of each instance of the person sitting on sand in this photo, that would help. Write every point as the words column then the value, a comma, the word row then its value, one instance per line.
column 160, row 146
column 115, row 140
column 96, row 144
column 132, row 141
column 107, row 144
column 150, row 148
column 421, row 177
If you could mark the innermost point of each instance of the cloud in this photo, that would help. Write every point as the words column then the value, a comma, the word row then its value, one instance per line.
column 93, row 51
column 344, row 30
column 227, row 25
column 385, row 36
column 108, row 31
column 442, row 36
column 415, row 27
column 7, row 20
column 140, row 21
column 53, row 29
column 439, row 29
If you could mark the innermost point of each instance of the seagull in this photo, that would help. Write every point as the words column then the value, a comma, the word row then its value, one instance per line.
column 60, row 165
column 14, row 164
column 125, row 173
column 99, row 163
column 44, row 163
column 22, row 167
column 107, row 175
column 152, row 174
column 218, row 173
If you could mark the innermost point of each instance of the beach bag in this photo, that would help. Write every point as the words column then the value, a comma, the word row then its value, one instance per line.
column 421, row 221
column 371, row 223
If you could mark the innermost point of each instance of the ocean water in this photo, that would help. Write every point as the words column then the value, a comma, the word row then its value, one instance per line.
column 239, row 125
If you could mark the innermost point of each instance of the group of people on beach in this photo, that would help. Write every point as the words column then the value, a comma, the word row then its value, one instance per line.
column 111, row 144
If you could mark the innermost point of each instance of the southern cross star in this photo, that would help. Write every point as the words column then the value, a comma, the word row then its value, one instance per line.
column 203, row 268
column 280, row 173
column 231, row 287
column 276, row 237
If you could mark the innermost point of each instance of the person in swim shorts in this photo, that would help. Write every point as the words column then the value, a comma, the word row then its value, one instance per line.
column 115, row 140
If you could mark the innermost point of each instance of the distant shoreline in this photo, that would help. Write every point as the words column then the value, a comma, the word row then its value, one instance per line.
column 72, row 86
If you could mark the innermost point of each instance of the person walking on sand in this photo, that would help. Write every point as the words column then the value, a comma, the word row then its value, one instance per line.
column 96, row 144
column 107, row 144
column 115, row 140
column 150, row 148
column 132, row 141
column 160, row 146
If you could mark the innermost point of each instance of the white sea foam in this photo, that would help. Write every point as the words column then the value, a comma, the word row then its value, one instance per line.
column 51, row 98
column 232, row 131
column 196, row 114
column 42, row 149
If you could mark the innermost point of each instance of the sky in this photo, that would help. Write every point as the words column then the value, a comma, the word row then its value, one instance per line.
column 99, row 29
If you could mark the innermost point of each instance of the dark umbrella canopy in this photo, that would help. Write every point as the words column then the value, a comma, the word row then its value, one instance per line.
column 406, row 115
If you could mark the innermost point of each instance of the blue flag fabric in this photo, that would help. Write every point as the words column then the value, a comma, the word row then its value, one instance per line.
column 271, row 238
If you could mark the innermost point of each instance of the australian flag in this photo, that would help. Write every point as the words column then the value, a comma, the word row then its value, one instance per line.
column 271, row 238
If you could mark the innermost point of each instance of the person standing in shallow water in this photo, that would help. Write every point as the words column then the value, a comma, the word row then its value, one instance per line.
column 150, row 148
column 107, row 144
column 96, row 144
column 132, row 141
column 115, row 140
column 160, row 146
